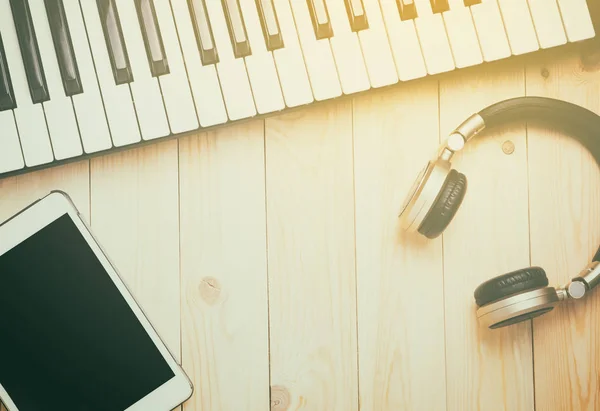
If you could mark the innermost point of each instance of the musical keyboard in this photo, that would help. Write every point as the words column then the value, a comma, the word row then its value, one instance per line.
column 79, row 78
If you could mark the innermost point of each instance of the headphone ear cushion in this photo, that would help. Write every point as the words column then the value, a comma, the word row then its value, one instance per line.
column 505, row 285
column 445, row 206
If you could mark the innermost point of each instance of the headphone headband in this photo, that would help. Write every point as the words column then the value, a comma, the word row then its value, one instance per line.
column 575, row 121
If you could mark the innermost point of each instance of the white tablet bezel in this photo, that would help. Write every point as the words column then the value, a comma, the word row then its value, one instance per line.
column 40, row 214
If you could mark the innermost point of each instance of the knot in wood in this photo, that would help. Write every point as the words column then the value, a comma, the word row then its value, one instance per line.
column 545, row 73
column 280, row 398
column 590, row 59
column 508, row 147
column 210, row 290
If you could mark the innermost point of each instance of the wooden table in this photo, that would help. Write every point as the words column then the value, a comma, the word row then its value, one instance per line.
column 269, row 256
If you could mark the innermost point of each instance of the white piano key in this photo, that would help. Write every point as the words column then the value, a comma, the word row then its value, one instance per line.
column 346, row 50
column 33, row 133
column 404, row 42
column 490, row 28
column 462, row 34
column 433, row 38
column 93, row 126
column 204, row 81
column 11, row 158
column 174, row 86
column 60, row 115
column 376, row 48
column 519, row 26
column 547, row 22
column 147, row 97
column 122, row 119
column 232, row 71
column 260, row 64
column 317, row 55
column 289, row 60
column 576, row 19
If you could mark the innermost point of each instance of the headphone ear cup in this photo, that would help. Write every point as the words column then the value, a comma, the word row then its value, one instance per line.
column 509, row 284
column 445, row 206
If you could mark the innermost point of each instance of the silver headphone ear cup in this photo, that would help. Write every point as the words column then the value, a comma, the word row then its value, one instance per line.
column 423, row 194
column 514, row 297
column 521, row 318
column 518, row 308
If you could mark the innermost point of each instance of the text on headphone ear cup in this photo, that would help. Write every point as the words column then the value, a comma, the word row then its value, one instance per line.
column 445, row 205
column 509, row 284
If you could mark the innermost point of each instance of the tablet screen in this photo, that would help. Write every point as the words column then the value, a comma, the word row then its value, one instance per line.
column 68, row 339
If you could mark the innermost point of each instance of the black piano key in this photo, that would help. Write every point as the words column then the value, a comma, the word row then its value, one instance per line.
column 320, row 18
column 115, row 43
column 269, row 24
column 407, row 9
column 236, row 28
column 471, row 2
column 7, row 94
column 155, row 49
column 203, row 32
column 30, row 53
column 61, row 37
column 439, row 6
column 357, row 15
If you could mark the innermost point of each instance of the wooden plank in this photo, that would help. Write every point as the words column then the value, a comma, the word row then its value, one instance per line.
column 224, row 269
column 19, row 191
column 395, row 132
column 310, row 235
column 565, row 200
column 134, row 200
column 486, row 369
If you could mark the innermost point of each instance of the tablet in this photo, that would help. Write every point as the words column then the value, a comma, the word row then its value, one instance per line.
column 72, row 336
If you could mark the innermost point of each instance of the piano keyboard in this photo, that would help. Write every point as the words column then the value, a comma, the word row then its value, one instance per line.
column 83, row 77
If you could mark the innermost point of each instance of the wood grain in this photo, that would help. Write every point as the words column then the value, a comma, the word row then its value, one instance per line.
column 310, row 231
column 20, row 191
column 224, row 269
column 565, row 209
column 486, row 369
column 399, row 277
column 134, row 202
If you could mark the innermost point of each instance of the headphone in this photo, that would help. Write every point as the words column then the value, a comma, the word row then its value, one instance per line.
column 439, row 190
